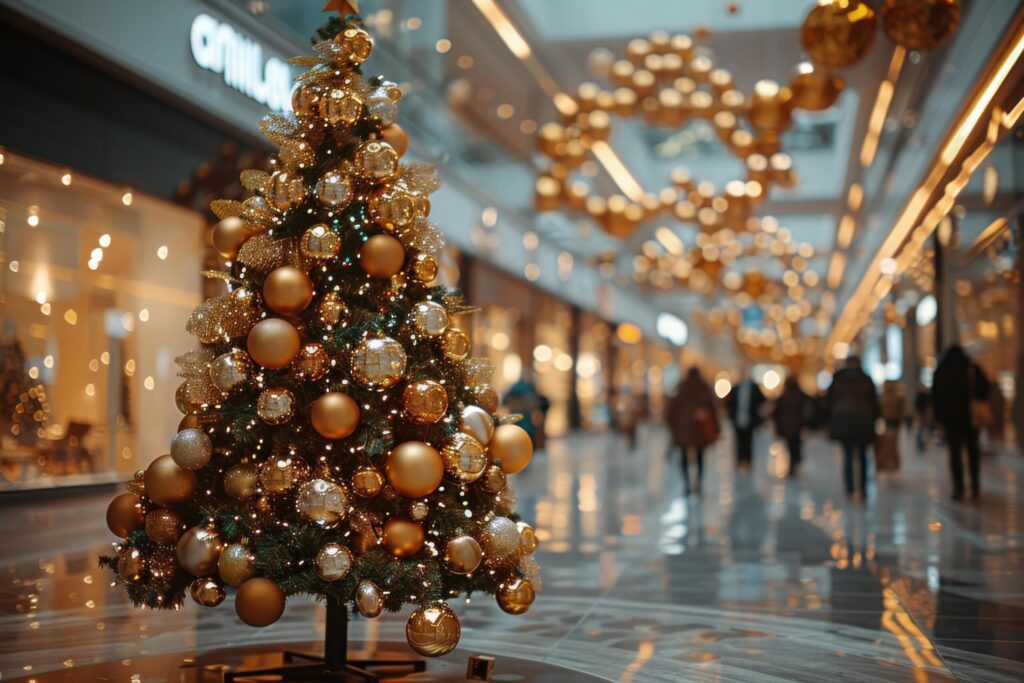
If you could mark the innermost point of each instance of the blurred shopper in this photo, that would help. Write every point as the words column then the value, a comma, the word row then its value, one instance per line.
column 793, row 411
column 693, row 422
column 892, row 405
column 960, row 393
column 523, row 398
column 745, row 403
column 997, row 431
column 923, row 415
column 852, row 407
column 626, row 414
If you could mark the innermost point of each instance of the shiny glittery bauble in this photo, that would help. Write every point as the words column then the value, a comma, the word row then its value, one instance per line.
column 131, row 565
column 257, row 211
column 500, row 538
column 515, row 596
column 228, row 235
column 393, row 209
column 486, row 397
column 462, row 555
column 137, row 484
column 403, row 537
column 322, row 502
column 511, row 445
column 182, row 402
column 191, row 449
column 396, row 136
column 230, row 371
column 425, row 401
column 813, row 88
column 207, row 592
column 376, row 160
column 920, row 24
column 464, row 457
column 378, row 363
column 333, row 562
column 124, row 515
column 355, row 43
column 198, row 551
column 414, row 469
column 367, row 482
column 339, row 106
column 236, row 565
column 312, row 363
column 284, row 190
column 527, row 538
column 296, row 154
column 240, row 481
column 320, row 242
column 259, row 602
column 273, row 343
column 456, row 344
column 287, row 290
column 334, row 415
column 382, row 256
column 333, row 189
column 369, row 600
column 418, row 510
column 305, row 100
column 276, row 406
column 430, row 318
column 331, row 309
column 424, row 268
column 478, row 423
column 164, row 526
column 379, row 104
column 433, row 630
column 494, row 480
column 281, row 474
column 167, row 483
column 838, row 34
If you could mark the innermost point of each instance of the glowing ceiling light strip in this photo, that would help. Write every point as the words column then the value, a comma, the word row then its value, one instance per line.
column 669, row 239
column 505, row 28
column 844, row 235
column 835, row 269
column 881, row 109
column 617, row 170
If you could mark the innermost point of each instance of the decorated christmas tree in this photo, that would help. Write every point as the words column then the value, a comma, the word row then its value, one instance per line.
column 338, row 440
column 24, row 409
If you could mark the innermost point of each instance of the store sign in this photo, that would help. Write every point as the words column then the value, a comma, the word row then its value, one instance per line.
column 218, row 47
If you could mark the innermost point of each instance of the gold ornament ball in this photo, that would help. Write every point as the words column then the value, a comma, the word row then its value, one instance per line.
column 527, row 538
column 356, row 44
column 167, row 483
column 425, row 268
column 515, row 596
column 273, row 343
column 478, row 423
column 258, row 211
column 403, row 537
column 456, row 343
column 236, row 565
column 378, row 362
column 259, row 602
column 198, row 550
column 511, row 445
column 312, row 363
column 164, row 526
column 433, row 630
column 376, row 160
column 137, row 484
column 191, row 449
column 207, row 592
column 320, row 242
column 334, row 189
column 464, row 457
column 770, row 106
column 425, row 401
column 287, row 290
column 281, row 474
column 124, row 515
column 131, row 565
column 920, row 24
column 333, row 562
column 340, row 106
column 418, row 510
column 462, row 555
column 394, row 209
column 331, row 309
column 414, row 469
column 838, row 34
column 486, row 397
column 284, row 190
column 367, row 482
column 430, row 318
column 182, row 402
column 814, row 89
column 500, row 538
column 230, row 371
column 369, row 600
column 322, row 502
column 228, row 236
column 305, row 99
column 240, row 481
column 334, row 415
column 494, row 480
column 382, row 256
column 275, row 406
column 190, row 421
column 396, row 136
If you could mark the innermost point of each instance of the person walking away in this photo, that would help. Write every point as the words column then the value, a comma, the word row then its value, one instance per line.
column 745, row 402
column 852, row 407
column 960, row 396
column 626, row 414
column 792, row 412
column 693, row 423
column 892, row 405
column 522, row 398
column 922, row 412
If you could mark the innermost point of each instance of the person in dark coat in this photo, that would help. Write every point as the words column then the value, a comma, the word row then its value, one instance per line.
column 852, row 408
column 956, row 384
column 693, row 422
column 745, row 402
column 792, row 412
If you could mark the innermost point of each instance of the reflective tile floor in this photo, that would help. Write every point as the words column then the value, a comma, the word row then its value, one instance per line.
column 759, row 579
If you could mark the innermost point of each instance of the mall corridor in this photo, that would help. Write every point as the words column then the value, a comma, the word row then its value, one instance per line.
column 760, row 579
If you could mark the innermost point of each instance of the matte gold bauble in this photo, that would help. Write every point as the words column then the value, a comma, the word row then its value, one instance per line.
column 240, row 481
column 333, row 562
column 312, row 363
column 376, row 160
column 230, row 370
column 124, row 515
column 478, row 423
column 281, row 474
column 296, row 154
column 494, row 480
column 393, row 208
column 814, row 89
column 433, row 630
column 527, row 538
column 369, row 600
column 486, row 397
column 276, row 406
column 511, row 445
column 190, row 421
column 430, row 318
column 322, row 502
column 456, row 343
column 414, row 469
column 367, row 482
column 333, row 189
column 273, row 343
column 305, row 99
column 499, row 538
column 464, row 457
column 396, row 136
column 378, row 362
column 515, row 596
column 425, row 268
column 425, row 401
column 131, row 565
column 259, row 602
column 331, row 309
column 228, row 236
column 236, row 565
column 382, row 256
column 287, row 290
column 164, row 526
column 462, row 555
column 207, row 592
column 838, row 34
column 191, row 449
column 199, row 549
column 403, row 537
column 334, row 415
column 320, row 242
column 920, row 24
column 284, row 190
column 167, row 483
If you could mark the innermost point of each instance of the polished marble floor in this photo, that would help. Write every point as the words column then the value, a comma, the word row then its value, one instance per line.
column 761, row 578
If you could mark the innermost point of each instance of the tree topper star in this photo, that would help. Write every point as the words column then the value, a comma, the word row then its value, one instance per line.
column 343, row 7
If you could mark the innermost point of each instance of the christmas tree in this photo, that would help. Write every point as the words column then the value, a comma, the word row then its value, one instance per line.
column 24, row 409
column 337, row 440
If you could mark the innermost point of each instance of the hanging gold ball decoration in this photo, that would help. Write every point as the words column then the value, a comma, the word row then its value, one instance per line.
column 393, row 208
column 241, row 480
column 284, row 190
column 770, row 106
column 131, row 565
column 511, row 445
column 331, row 309
column 493, row 480
column 478, row 423
column 190, row 421
column 124, row 515
column 305, row 99
column 367, row 482
column 273, row 343
column 838, row 34
column 228, row 236
column 486, row 397
column 433, row 630
column 499, row 538
column 207, row 592
column 182, row 402
column 236, row 564
column 418, row 510
column 414, row 469
column 462, row 555
column 376, row 160
column 167, row 483
column 464, row 457
column 137, row 483
column 259, row 602
column 396, row 136
column 334, row 189
column 257, row 210
column 334, row 415
column 382, row 256
column 369, row 600
column 230, row 370
column 456, row 344
column 814, row 89
column 287, row 290
column 281, row 474
column 430, row 318
column 527, row 538
column 312, row 363
column 164, row 526
column 920, row 24
column 275, row 406
column 378, row 362
column 322, row 502
column 341, row 107
column 333, row 562
column 198, row 550
column 515, row 596
column 320, row 242
column 191, row 449
column 425, row 268
column 425, row 401
column 403, row 537
column 355, row 44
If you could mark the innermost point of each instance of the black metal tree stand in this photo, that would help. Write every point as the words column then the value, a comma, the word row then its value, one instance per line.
column 334, row 664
